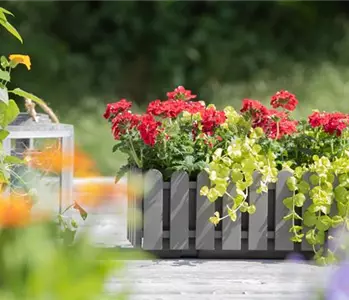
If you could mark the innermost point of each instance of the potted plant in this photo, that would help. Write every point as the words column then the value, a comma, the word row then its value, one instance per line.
column 267, row 183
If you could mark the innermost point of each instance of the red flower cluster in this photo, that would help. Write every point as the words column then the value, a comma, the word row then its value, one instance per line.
column 172, row 108
column 256, row 110
column 149, row 129
column 332, row 123
column 122, row 122
column 285, row 100
column 180, row 93
column 116, row 108
column 275, row 124
column 211, row 119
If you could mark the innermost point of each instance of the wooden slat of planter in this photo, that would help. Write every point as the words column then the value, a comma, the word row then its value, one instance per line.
column 333, row 232
column 128, row 205
column 138, row 216
column 204, row 210
column 153, row 210
column 305, row 245
column 257, row 230
column 179, row 221
column 282, row 234
column 231, row 231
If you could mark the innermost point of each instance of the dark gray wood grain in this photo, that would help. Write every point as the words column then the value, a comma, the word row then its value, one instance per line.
column 282, row 234
column 179, row 221
column 204, row 210
column 305, row 245
column 153, row 210
column 257, row 230
column 231, row 231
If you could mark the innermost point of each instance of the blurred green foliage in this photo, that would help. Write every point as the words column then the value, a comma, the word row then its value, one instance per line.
column 34, row 265
column 88, row 53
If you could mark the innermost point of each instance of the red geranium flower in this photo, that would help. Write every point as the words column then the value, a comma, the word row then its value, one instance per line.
column 285, row 100
column 149, row 129
column 180, row 93
column 256, row 110
column 122, row 122
column 117, row 107
column 336, row 123
column 317, row 119
column 211, row 119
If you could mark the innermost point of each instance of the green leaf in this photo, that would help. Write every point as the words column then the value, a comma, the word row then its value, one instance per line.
column 5, row 75
column 4, row 95
column 340, row 194
column 299, row 199
column 232, row 214
column 24, row 94
column 288, row 202
column 13, row 160
column 10, row 113
column 320, row 237
column 323, row 223
column 251, row 209
column 204, row 191
column 3, row 134
column 291, row 183
column 5, row 11
column 309, row 219
column 303, row 187
column 4, row 62
column 336, row 221
column 236, row 175
column 11, row 29
column 314, row 179
column 311, row 237
column 212, row 195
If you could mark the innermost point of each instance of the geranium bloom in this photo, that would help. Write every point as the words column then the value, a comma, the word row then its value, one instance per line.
column 285, row 100
column 277, row 130
column 122, row 122
column 256, row 110
column 180, row 93
column 148, row 129
column 317, row 119
column 166, row 109
column 116, row 108
column 21, row 59
column 336, row 123
column 211, row 118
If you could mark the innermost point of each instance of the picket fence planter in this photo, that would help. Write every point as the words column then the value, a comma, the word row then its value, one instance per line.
column 173, row 220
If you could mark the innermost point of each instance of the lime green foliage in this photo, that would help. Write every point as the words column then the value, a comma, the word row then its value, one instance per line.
column 35, row 265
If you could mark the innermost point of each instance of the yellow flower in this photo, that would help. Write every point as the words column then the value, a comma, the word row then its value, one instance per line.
column 21, row 59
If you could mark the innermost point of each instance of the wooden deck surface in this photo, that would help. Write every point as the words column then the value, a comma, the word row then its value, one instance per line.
column 197, row 279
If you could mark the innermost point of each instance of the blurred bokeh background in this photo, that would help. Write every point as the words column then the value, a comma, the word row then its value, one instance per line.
column 88, row 53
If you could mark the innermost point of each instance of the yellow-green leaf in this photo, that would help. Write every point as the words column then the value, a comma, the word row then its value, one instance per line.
column 11, row 29
column 5, row 75
column 24, row 94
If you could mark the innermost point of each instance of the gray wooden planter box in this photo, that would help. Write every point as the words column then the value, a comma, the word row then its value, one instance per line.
column 173, row 220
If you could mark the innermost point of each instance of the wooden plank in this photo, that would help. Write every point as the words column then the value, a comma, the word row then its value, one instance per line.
column 231, row 231
column 282, row 234
column 179, row 208
column 257, row 224
column 138, row 218
column 204, row 210
column 153, row 210
column 305, row 245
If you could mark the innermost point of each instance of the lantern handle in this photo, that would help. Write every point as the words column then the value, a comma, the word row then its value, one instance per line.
column 30, row 106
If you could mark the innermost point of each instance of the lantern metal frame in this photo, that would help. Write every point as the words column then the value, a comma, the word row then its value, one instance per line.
column 47, row 130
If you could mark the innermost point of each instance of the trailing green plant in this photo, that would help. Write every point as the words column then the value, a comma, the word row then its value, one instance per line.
column 315, row 153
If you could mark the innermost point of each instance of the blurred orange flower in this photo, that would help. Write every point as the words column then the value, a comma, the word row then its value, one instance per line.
column 15, row 211
column 52, row 160
column 21, row 59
